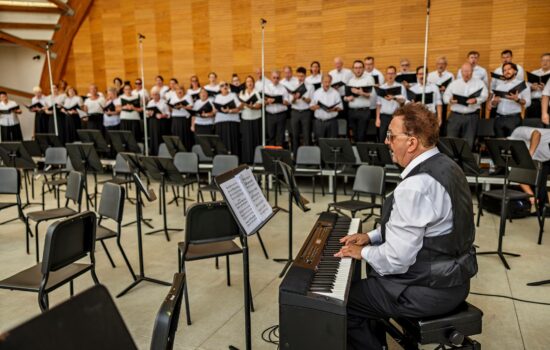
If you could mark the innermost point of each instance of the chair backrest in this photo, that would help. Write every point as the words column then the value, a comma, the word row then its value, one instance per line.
column 167, row 319
column 69, row 164
column 210, row 222
column 68, row 241
column 111, row 204
column 523, row 176
column 308, row 155
column 202, row 157
column 10, row 182
column 163, row 151
column 342, row 127
column 55, row 156
column 187, row 162
column 75, row 185
column 356, row 154
column 121, row 165
column 224, row 162
column 258, row 155
column 370, row 179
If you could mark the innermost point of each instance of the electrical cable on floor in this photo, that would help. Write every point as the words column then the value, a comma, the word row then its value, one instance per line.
column 511, row 298
column 271, row 335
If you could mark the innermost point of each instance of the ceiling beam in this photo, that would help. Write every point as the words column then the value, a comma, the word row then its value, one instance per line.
column 16, row 92
column 22, row 42
column 46, row 26
column 67, row 10
column 38, row 9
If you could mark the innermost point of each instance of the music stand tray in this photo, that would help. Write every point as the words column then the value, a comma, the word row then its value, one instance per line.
column 95, row 137
column 211, row 145
column 123, row 141
column 458, row 150
column 336, row 152
column 14, row 154
column 84, row 159
column 374, row 153
column 47, row 140
column 174, row 144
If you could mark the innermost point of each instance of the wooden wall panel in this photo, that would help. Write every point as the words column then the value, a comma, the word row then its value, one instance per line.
column 199, row 36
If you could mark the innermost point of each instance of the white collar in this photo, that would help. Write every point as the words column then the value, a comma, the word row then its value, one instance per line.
column 419, row 159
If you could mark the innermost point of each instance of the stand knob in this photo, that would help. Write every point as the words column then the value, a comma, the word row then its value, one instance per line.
column 456, row 338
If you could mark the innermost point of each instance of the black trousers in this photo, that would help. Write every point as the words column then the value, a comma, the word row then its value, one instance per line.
column 251, row 137
column 385, row 120
column 443, row 127
column 207, row 129
column 463, row 126
column 275, row 125
column 542, row 194
column 358, row 122
column 11, row 133
column 300, row 124
column 229, row 133
column 374, row 299
column 95, row 122
column 326, row 128
column 505, row 124
column 41, row 121
column 534, row 110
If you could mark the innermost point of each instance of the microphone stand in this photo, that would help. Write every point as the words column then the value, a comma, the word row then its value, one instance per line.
column 263, row 22
column 426, row 51
column 51, row 89
column 145, row 131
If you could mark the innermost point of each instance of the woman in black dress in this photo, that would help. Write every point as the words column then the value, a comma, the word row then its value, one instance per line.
column 251, row 121
column 72, row 108
column 158, row 120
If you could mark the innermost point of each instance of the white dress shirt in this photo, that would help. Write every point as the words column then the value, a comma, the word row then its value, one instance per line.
column 71, row 102
column 222, row 100
column 495, row 82
column 95, row 106
column 381, row 79
column 193, row 94
column 462, row 88
column 417, row 89
column 111, row 120
column 276, row 90
column 248, row 113
column 300, row 104
column 43, row 100
column 421, row 208
column 329, row 98
column 198, row 119
column 161, row 105
column 258, row 84
column 439, row 78
column 361, row 101
column 129, row 115
column 478, row 73
column 342, row 75
column 8, row 119
column 290, row 84
column 180, row 113
column 59, row 100
column 141, row 92
column 507, row 106
column 388, row 107
column 540, row 73
column 314, row 79
column 524, row 133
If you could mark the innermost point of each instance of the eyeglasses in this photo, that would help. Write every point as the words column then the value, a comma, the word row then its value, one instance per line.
column 138, row 82
column 405, row 64
column 390, row 137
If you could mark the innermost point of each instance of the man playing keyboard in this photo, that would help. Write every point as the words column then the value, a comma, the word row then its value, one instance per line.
column 421, row 257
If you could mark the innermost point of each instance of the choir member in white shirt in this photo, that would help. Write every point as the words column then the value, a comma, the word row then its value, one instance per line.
column 94, row 105
column 181, row 118
column 509, row 108
column 213, row 88
column 251, row 120
column 478, row 71
column 340, row 74
column 359, row 101
column 158, row 120
column 72, row 108
column 440, row 77
column 172, row 86
column 260, row 80
column 506, row 56
column 464, row 119
column 194, row 88
column 385, row 106
column 236, row 87
column 111, row 117
column 534, row 111
column 372, row 71
column 314, row 79
column 435, row 106
column 405, row 68
column 289, row 82
column 300, row 114
column 141, row 91
column 544, row 103
column 10, row 130
column 202, row 123
column 326, row 103
column 130, row 109
column 276, row 100
column 119, row 86
column 56, row 100
column 227, row 119
column 40, row 116
column 159, row 82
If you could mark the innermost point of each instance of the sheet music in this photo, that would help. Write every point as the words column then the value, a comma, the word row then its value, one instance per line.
column 247, row 200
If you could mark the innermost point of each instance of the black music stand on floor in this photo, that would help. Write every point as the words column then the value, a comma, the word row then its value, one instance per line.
column 136, row 168
column 336, row 152
column 15, row 155
column 505, row 154
column 84, row 159
column 47, row 140
column 270, row 157
column 293, row 196
column 173, row 144
column 123, row 141
column 374, row 153
column 211, row 145
column 231, row 191
column 164, row 170
column 95, row 137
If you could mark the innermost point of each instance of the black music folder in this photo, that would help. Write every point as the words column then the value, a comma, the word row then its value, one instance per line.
column 316, row 86
column 179, row 105
column 212, row 93
column 195, row 97
column 516, row 89
column 461, row 100
column 230, row 105
column 338, row 84
column 237, row 88
column 299, row 90
column 537, row 79
column 110, row 107
column 383, row 92
column 206, row 108
column 277, row 98
column 428, row 97
column 408, row 77
column 497, row 76
column 35, row 105
column 9, row 111
column 376, row 79
column 251, row 100
column 155, row 111
column 135, row 102
column 367, row 89
column 445, row 83
column 325, row 107
column 73, row 108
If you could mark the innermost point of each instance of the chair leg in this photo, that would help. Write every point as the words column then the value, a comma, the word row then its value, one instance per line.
column 36, row 242
column 107, row 253
column 228, row 270
column 125, row 259
column 217, row 263
column 43, row 301
column 313, row 186
column 27, row 234
column 71, row 288
column 479, row 209
column 251, row 298
column 94, row 276
column 262, row 245
column 186, row 293
column 541, row 225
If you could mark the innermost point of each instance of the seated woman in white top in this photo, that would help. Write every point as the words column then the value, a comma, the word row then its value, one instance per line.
column 251, row 120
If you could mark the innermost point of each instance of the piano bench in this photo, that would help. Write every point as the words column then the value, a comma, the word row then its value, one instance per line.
column 452, row 329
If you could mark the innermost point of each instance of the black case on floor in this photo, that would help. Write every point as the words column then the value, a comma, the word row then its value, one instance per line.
column 519, row 208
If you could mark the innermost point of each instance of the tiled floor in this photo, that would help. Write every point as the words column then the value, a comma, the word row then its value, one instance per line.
column 217, row 310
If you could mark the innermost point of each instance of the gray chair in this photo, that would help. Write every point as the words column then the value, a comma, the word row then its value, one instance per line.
column 370, row 180
column 308, row 164
column 121, row 172
column 202, row 157
column 67, row 241
column 163, row 151
column 55, row 165
column 220, row 164
column 349, row 170
column 11, row 185
column 111, row 207
column 75, row 185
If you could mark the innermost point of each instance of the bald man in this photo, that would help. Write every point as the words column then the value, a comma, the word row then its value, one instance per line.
column 341, row 75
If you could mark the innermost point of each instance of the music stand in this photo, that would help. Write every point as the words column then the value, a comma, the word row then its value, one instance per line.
column 336, row 152
column 507, row 153
column 374, row 153
column 123, row 141
column 174, row 144
column 137, row 168
column 15, row 155
column 84, row 158
column 47, row 140
column 211, row 145
column 293, row 196
column 164, row 170
column 270, row 157
column 33, row 148
column 228, row 193
column 95, row 137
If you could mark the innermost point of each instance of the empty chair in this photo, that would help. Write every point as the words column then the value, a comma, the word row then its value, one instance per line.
column 220, row 164
column 67, row 241
column 370, row 180
column 111, row 207
column 168, row 315
column 308, row 164
column 202, row 157
column 210, row 231
column 55, row 163
column 121, row 172
column 75, row 185
column 187, row 164
column 11, row 185
column 163, row 151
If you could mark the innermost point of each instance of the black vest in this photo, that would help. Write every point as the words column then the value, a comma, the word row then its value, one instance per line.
column 448, row 260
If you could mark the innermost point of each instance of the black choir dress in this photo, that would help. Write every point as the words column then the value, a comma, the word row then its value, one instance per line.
column 227, row 125
column 72, row 118
column 181, row 121
column 156, row 128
